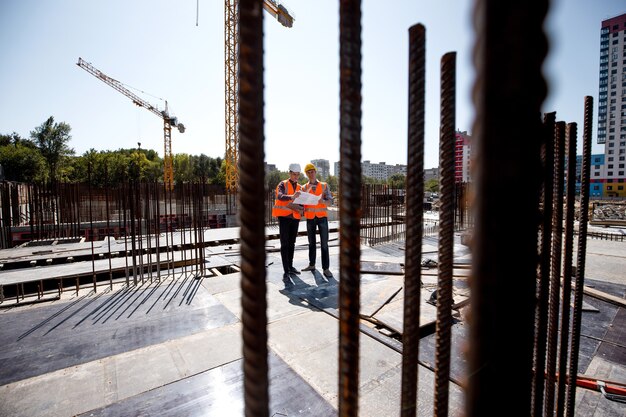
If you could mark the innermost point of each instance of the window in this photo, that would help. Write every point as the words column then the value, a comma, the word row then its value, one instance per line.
column 611, row 144
column 597, row 167
column 597, row 173
column 610, row 173
column 610, row 166
column 620, row 187
column 609, row 187
column 621, row 165
column 596, row 187
column 620, row 173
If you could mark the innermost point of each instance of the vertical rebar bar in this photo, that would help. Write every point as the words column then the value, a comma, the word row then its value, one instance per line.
column 108, row 221
column 446, row 232
column 568, row 247
column 555, row 270
column 413, row 219
column 509, row 90
column 541, row 315
column 93, row 266
column 252, row 155
column 350, row 204
column 580, row 256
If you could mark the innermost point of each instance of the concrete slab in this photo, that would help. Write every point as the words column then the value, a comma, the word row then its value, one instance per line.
column 99, row 383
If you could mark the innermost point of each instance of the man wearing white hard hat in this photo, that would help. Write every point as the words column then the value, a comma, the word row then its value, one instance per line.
column 289, row 215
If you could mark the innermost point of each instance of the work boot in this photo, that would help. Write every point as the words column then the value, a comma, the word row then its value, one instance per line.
column 309, row 268
column 294, row 270
column 327, row 273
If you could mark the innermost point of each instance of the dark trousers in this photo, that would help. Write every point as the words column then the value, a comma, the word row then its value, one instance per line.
column 320, row 223
column 288, row 229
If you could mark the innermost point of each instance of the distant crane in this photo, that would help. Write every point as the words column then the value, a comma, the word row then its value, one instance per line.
column 231, row 58
column 168, row 121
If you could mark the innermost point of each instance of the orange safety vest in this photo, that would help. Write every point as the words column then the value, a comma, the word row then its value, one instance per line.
column 280, row 208
column 320, row 209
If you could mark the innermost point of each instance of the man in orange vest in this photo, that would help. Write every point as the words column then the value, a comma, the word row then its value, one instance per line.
column 289, row 215
column 317, row 218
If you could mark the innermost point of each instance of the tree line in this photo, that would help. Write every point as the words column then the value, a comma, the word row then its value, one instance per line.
column 46, row 156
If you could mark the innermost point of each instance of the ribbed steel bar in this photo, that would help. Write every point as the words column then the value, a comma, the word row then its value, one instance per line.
column 555, row 270
column 541, row 315
column 509, row 90
column 446, row 232
column 414, row 219
column 251, row 152
column 350, row 204
column 568, row 247
column 93, row 266
column 581, row 256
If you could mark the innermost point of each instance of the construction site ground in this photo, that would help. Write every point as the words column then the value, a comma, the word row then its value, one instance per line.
column 173, row 346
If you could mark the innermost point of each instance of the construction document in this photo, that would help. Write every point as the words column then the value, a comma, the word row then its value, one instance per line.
column 307, row 199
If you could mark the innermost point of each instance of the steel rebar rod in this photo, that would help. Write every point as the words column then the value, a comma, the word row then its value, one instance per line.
column 581, row 254
column 446, row 233
column 413, row 219
column 541, row 315
column 251, row 154
column 350, row 204
column 555, row 271
column 568, row 247
column 508, row 93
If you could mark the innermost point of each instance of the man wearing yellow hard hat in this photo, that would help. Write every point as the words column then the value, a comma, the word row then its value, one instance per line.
column 317, row 219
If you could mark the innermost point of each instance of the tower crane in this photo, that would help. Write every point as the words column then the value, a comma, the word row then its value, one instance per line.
column 168, row 121
column 231, row 58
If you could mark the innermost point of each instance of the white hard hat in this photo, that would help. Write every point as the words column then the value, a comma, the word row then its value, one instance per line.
column 294, row 168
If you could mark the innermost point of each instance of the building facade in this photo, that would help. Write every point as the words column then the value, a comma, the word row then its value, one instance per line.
column 612, row 105
column 462, row 153
column 323, row 168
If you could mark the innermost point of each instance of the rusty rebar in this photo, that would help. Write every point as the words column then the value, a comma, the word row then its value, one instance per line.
column 446, row 232
column 350, row 204
column 253, row 287
column 555, row 270
column 414, row 209
column 568, row 247
column 93, row 266
column 541, row 315
column 581, row 256
column 509, row 90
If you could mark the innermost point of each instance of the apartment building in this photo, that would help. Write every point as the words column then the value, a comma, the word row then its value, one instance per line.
column 612, row 104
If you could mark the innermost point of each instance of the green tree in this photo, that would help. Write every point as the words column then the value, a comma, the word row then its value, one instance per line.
column 432, row 185
column 333, row 183
column 220, row 178
column 22, row 163
column 15, row 139
column 397, row 181
column 272, row 179
column 52, row 140
column 183, row 171
column 138, row 163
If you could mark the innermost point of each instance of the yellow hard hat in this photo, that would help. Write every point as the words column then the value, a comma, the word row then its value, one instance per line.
column 308, row 167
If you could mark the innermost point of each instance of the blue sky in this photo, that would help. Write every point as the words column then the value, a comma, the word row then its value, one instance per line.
column 156, row 47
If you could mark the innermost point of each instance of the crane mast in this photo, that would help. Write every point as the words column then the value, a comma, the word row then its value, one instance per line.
column 168, row 121
column 231, row 59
